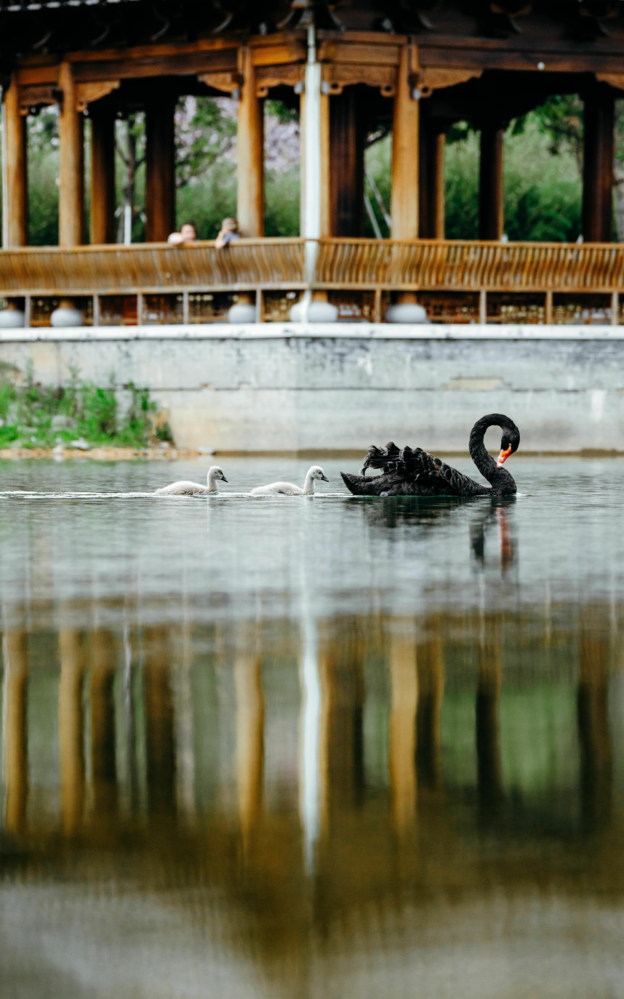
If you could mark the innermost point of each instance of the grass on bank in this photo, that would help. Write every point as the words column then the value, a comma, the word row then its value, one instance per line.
column 33, row 415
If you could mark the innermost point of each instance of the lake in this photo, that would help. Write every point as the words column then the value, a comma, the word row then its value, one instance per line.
column 322, row 747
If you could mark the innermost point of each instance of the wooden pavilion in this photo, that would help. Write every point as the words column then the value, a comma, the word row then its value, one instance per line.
column 418, row 66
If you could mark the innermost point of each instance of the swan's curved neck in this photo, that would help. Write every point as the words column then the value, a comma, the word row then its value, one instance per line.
column 212, row 482
column 498, row 477
column 308, row 486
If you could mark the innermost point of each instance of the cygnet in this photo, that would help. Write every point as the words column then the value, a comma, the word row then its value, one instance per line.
column 288, row 489
column 185, row 488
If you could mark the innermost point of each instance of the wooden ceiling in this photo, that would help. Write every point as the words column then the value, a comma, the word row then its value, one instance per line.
column 56, row 26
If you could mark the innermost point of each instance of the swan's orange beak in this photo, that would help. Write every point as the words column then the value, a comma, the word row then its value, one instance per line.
column 503, row 456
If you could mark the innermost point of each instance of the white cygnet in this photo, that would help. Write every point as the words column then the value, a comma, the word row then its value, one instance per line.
column 288, row 489
column 185, row 488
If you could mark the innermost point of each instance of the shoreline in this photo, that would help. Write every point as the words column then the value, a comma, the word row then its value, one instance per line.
column 179, row 453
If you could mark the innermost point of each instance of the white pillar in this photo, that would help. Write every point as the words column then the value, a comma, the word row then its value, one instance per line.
column 312, row 199
column 311, row 221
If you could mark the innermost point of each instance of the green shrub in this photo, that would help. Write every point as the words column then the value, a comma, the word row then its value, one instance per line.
column 27, row 411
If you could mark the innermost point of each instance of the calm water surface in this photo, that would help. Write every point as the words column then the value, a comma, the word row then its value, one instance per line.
column 324, row 748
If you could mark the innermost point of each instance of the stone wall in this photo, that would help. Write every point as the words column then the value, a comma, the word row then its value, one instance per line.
column 288, row 388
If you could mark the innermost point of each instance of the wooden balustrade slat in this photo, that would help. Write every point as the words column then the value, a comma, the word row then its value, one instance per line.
column 434, row 265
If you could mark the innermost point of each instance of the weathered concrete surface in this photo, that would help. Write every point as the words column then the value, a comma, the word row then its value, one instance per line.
column 288, row 388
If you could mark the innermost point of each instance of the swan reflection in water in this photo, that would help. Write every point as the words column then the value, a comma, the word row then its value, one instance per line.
column 500, row 516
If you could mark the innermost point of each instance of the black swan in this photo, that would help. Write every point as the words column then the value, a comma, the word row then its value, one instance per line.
column 408, row 472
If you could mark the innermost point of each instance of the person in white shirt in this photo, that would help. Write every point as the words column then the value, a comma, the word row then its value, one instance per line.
column 186, row 235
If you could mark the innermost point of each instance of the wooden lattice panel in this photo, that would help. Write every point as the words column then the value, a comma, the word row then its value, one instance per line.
column 581, row 309
column 41, row 308
column 450, row 307
column 528, row 309
column 353, row 306
column 118, row 310
column 207, row 307
column 277, row 305
column 161, row 310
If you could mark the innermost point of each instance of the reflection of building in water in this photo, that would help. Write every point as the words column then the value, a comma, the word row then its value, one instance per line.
column 72, row 655
column 15, row 731
column 406, row 706
column 425, row 728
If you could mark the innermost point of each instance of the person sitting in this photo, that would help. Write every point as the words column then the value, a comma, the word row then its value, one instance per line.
column 228, row 233
column 186, row 235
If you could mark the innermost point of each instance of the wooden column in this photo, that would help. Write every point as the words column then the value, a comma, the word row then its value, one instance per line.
column 598, row 165
column 402, row 734
column 102, row 175
column 15, row 732
column 71, row 152
column 404, row 203
column 491, row 182
column 14, row 180
column 160, row 212
column 431, row 202
column 71, row 729
column 436, row 181
column 250, row 152
column 346, row 163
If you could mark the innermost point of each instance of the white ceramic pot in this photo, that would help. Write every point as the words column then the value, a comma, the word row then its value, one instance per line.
column 66, row 315
column 406, row 312
column 11, row 318
column 242, row 312
column 318, row 312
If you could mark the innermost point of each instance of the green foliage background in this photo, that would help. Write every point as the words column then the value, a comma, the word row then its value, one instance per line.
column 543, row 162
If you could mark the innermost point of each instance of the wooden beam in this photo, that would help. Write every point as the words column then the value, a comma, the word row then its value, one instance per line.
column 102, row 175
column 159, row 170
column 598, row 165
column 404, row 203
column 250, row 152
column 14, row 181
column 71, row 150
column 491, row 182
column 346, row 164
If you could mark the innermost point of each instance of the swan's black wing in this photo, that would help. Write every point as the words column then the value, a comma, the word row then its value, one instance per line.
column 410, row 472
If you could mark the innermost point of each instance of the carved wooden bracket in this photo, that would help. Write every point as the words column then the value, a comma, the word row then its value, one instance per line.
column 613, row 79
column 337, row 75
column 276, row 76
column 226, row 82
column 35, row 96
column 433, row 78
column 87, row 93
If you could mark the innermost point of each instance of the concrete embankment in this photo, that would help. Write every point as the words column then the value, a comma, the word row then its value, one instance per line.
column 283, row 387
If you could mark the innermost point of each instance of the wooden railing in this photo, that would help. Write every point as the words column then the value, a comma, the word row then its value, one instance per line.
column 341, row 264
column 153, row 267
column 445, row 265
column 456, row 281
